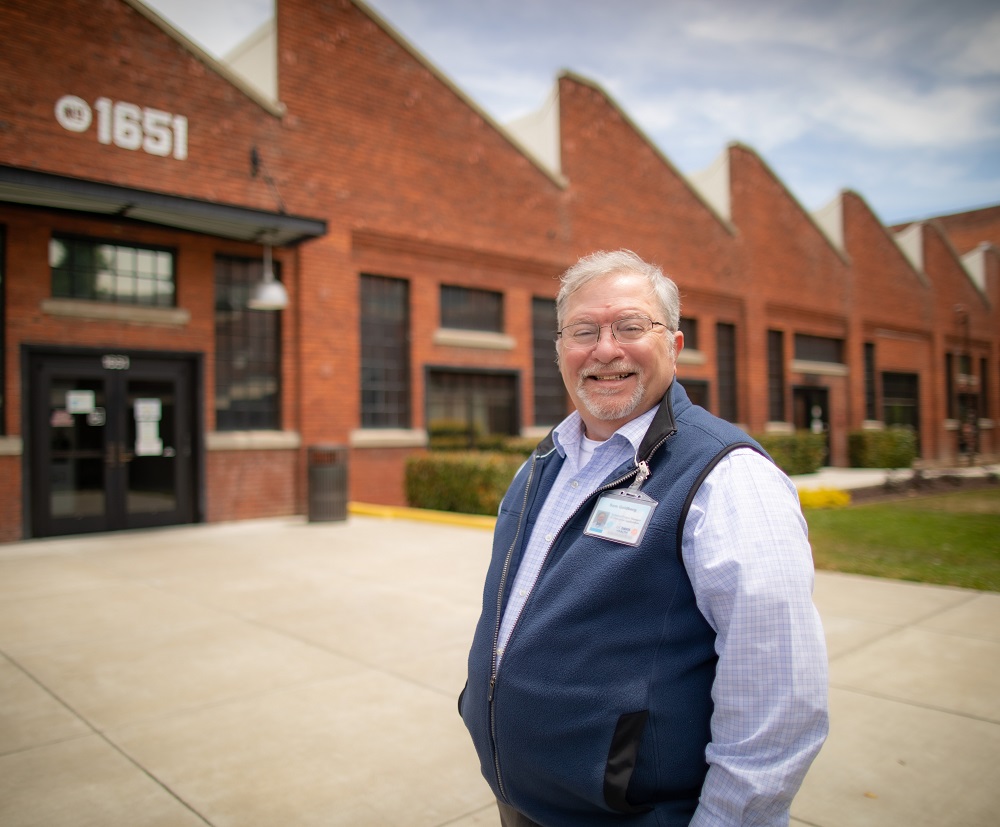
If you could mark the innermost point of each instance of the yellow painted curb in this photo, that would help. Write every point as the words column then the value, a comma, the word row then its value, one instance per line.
column 391, row 512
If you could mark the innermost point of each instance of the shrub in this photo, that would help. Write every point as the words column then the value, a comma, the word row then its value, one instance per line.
column 458, row 435
column 895, row 447
column 824, row 498
column 452, row 435
column 801, row 452
column 467, row 483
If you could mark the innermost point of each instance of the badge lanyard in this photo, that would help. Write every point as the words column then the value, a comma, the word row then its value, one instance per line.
column 623, row 515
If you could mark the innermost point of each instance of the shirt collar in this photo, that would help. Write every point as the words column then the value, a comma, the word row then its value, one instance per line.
column 569, row 432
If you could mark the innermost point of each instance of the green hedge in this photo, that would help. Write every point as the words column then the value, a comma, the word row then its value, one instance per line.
column 801, row 452
column 474, row 482
column 895, row 447
column 467, row 483
column 457, row 435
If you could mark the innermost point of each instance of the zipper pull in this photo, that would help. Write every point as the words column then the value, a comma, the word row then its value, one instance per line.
column 493, row 682
column 642, row 474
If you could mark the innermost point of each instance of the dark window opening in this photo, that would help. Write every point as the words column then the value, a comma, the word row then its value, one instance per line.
column 84, row 268
column 871, row 402
column 901, row 401
column 463, row 308
column 697, row 391
column 819, row 349
column 247, row 351
column 486, row 403
column 689, row 327
column 549, row 391
column 776, row 376
column 385, row 352
column 725, row 336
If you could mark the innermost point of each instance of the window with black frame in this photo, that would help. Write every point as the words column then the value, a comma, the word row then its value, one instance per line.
column 549, row 390
column 465, row 308
column 3, row 331
column 776, row 375
column 105, row 271
column 725, row 344
column 385, row 352
column 689, row 327
column 871, row 400
column 819, row 349
column 247, row 351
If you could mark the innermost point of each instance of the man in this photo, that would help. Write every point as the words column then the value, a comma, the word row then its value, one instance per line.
column 648, row 652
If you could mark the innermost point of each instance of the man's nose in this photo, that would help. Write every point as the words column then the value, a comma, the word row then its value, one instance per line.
column 607, row 348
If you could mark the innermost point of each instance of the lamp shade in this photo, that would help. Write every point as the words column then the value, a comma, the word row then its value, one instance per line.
column 270, row 293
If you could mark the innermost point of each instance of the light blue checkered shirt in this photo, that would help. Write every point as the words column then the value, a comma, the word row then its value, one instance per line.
column 746, row 552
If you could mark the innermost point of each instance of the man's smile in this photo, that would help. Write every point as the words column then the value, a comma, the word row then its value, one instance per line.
column 611, row 377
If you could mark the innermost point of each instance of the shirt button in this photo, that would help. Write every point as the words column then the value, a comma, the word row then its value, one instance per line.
column 575, row 484
column 550, row 537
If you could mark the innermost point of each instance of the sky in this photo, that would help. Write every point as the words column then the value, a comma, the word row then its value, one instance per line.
column 897, row 100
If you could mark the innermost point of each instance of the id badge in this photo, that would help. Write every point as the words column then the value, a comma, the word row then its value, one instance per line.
column 621, row 516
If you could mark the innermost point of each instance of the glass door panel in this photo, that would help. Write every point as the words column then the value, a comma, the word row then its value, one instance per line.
column 78, row 448
column 150, row 445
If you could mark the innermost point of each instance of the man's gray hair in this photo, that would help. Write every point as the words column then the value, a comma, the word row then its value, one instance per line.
column 603, row 263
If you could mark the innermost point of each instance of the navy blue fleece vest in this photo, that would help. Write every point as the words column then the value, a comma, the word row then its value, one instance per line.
column 602, row 702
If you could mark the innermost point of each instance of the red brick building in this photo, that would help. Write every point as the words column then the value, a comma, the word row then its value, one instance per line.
column 143, row 185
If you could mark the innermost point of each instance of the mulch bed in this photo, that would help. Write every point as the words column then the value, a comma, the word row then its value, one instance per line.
column 921, row 485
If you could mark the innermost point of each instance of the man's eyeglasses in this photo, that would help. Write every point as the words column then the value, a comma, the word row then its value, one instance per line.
column 626, row 331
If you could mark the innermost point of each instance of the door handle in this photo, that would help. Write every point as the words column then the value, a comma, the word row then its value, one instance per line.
column 115, row 455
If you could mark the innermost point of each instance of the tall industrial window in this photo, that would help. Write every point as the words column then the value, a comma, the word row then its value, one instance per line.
column 949, row 383
column 463, row 308
column 984, row 396
column 725, row 339
column 485, row 402
column 901, row 400
column 819, row 349
column 776, row 376
column 385, row 352
column 697, row 391
column 689, row 327
column 247, row 351
column 549, row 391
column 84, row 268
column 871, row 411
column 3, row 331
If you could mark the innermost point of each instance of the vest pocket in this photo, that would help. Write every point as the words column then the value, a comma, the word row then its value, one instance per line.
column 622, row 757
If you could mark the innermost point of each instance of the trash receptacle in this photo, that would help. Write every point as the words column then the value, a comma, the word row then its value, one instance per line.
column 327, row 483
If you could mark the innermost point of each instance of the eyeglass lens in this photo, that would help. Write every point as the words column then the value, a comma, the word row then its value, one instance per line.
column 625, row 331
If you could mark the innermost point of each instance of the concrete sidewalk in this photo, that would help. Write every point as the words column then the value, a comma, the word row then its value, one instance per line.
column 278, row 672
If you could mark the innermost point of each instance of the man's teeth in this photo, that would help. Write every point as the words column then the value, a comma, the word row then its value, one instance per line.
column 615, row 376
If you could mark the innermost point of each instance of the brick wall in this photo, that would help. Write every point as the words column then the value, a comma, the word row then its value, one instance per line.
column 416, row 183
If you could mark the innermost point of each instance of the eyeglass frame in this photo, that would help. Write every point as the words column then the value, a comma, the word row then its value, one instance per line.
column 559, row 333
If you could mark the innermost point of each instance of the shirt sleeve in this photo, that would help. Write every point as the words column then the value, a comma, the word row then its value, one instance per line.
column 746, row 549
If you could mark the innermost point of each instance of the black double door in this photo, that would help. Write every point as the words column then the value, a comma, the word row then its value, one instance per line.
column 111, row 442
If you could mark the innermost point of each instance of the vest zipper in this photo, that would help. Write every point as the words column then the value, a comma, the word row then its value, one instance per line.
column 641, row 472
column 496, row 630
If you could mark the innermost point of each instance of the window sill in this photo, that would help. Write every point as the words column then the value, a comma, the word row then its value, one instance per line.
column 106, row 311
column 449, row 337
column 11, row 446
column 252, row 440
column 690, row 356
column 819, row 368
column 388, row 438
column 778, row 427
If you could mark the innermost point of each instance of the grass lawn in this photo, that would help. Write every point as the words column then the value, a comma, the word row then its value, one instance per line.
column 951, row 539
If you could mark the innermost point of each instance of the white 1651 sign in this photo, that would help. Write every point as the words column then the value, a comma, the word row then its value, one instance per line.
column 127, row 125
